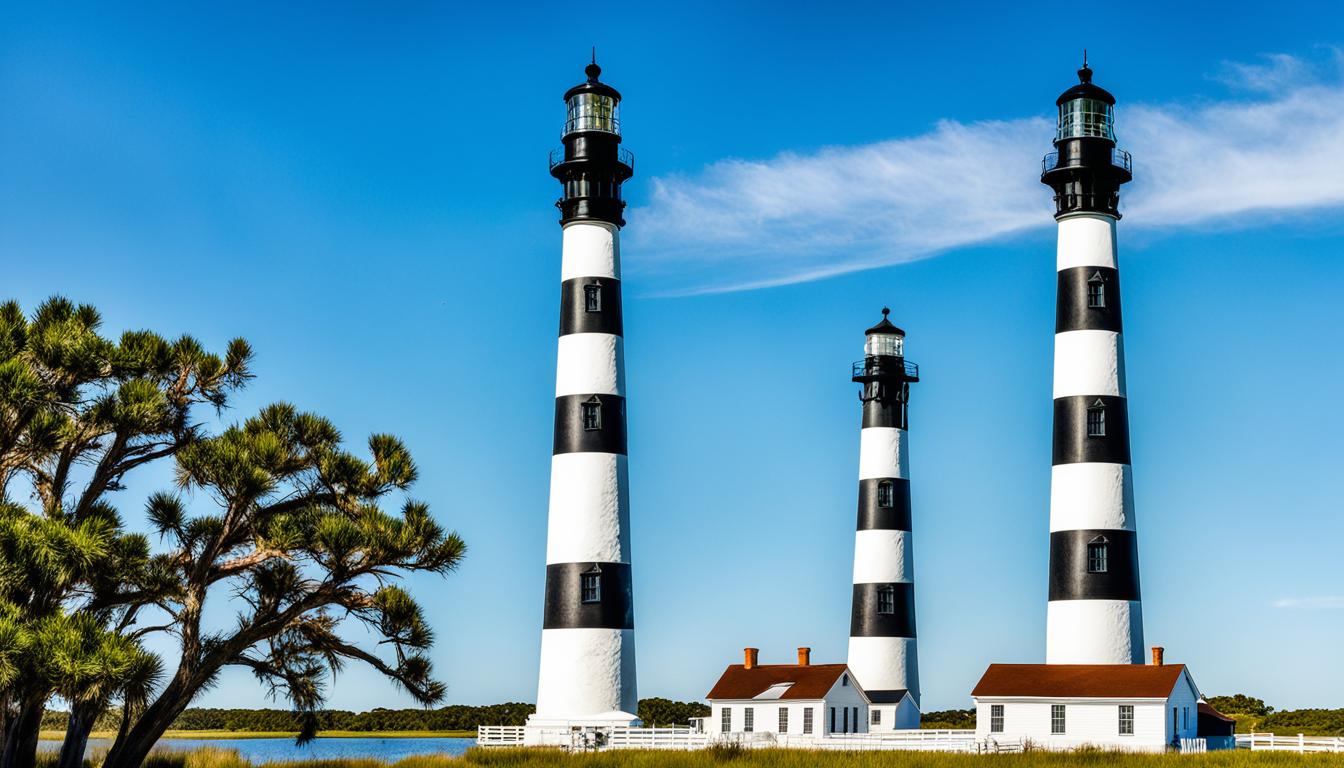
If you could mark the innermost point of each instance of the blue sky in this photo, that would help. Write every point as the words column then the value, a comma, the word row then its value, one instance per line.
column 361, row 191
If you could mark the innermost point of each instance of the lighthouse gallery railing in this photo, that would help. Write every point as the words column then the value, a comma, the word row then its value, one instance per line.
column 1119, row 158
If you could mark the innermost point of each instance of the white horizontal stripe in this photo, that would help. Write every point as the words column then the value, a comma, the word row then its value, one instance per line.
column 883, row 452
column 586, row 672
column 1089, row 363
column 590, row 509
column 591, row 249
column 590, row 363
column 1091, row 495
column 1086, row 240
column 883, row 556
column 885, row 663
column 1094, row 632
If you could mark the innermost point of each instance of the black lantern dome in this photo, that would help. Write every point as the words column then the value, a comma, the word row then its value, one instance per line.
column 592, row 164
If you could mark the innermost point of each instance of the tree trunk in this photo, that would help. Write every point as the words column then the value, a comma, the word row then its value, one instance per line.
column 21, row 737
column 134, row 742
column 82, row 718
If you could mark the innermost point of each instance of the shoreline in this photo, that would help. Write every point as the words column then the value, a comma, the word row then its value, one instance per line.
column 221, row 735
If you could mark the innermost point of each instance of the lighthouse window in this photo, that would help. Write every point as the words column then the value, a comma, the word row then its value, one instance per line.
column 1086, row 117
column 1096, row 556
column 1096, row 293
column 592, row 298
column 592, row 112
column 592, row 415
column 592, row 587
column 886, row 600
column 886, row 495
column 1096, row 421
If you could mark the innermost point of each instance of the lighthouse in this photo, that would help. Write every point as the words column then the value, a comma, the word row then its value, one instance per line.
column 882, row 652
column 1094, row 615
column 587, row 674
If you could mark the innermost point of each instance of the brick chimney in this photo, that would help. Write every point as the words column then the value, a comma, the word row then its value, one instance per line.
column 1157, row 655
column 750, row 655
column 804, row 657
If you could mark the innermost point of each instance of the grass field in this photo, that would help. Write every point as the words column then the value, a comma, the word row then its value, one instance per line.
column 761, row 758
column 287, row 734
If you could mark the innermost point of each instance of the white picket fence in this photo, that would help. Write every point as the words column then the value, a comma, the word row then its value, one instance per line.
column 1194, row 746
column 1298, row 743
column 687, row 739
column 499, row 735
column 657, row 738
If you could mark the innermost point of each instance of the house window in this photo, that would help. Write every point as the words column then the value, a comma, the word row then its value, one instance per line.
column 1096, row 555
column 592, row 298
column 832, row 719
column 844, row 679
column 1096, row 292
column 844, row 719
column 807, row 720
column 748, row 719
column 996, row 718
column 592, row 587
column 1096, row 420
column 726, row 720
column 783, row 719
column 592, row 415
column 1057, row 718
column 1185, row 718
column 856, row 719
column 886, row 494
column 1126, row 719
column 875, row 718
column 886, row 600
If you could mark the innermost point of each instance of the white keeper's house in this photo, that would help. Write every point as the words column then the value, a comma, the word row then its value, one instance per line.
column 1131, row 707
column 802, row 699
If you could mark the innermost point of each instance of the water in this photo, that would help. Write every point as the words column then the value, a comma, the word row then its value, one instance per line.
column 259, row 751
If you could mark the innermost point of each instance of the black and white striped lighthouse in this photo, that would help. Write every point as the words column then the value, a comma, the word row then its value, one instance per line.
column 1094, row 614
column 587, row 674
column 882, row 650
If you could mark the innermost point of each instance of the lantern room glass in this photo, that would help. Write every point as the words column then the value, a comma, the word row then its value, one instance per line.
column 593, row 112
column 1086, row 118
column 885, row 344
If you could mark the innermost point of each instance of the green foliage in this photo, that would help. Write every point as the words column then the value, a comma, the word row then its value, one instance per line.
column 664, row 712
column 949, row 719
column 1240, row 704
column 1310, row 722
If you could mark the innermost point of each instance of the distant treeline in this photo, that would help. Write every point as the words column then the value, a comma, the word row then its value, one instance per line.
column 948, row 719
column 457, row 717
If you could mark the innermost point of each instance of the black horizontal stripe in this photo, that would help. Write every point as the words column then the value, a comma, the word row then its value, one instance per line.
column 865, row 621
column 565, row 608
column 874, row 518
column 574, row 314
column 888, row 411
column 571, row 437
column 1071, row 442
column 1071, row 310
column 1069, row 579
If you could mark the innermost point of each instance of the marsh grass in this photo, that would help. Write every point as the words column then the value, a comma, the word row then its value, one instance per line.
column 736, row 756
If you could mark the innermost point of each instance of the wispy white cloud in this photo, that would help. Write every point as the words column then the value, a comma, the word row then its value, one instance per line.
column 1326, row 601
column 742, row 224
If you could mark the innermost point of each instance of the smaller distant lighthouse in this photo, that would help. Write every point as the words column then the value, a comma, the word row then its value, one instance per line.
column 882, row 650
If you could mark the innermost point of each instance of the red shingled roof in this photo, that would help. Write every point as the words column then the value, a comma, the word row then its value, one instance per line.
column 809, row 682
column 1101, row 681
column 1205, row 708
